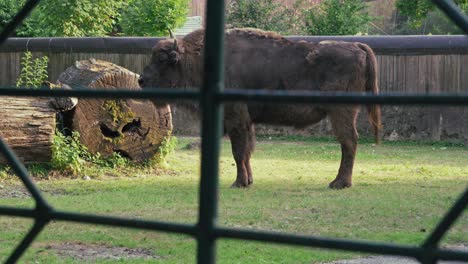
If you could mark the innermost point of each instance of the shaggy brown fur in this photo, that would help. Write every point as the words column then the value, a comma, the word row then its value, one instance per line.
column 265, row 60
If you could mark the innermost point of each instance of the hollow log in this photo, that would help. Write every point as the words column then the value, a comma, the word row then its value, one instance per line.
column 132, row 128
column 28, row 127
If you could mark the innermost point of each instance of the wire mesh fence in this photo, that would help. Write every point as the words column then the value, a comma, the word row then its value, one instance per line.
column 211, row 98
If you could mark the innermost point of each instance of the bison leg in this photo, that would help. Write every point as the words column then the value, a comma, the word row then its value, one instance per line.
column 242, row 141
column 241, row 132
column 343, row 120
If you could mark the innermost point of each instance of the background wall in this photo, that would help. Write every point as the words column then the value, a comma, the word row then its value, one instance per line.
column 407, row 64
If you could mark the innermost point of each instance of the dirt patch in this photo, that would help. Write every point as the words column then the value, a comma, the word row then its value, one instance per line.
column 13, row 191
column 91, row 252
column 18, row 190
column 397, row 260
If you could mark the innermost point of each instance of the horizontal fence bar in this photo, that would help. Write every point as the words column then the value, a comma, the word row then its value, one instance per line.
column 231, row 95
column 171, row 94
column 318, row 242
column 102, row 220
column 250, row 95
column 382, row 45
column 18, row 212
column 337, row 244
column 124, row 222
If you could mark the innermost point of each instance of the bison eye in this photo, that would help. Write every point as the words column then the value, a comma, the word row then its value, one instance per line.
column 162, row 57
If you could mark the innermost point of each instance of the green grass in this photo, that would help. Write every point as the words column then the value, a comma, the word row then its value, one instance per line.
column 401, row 190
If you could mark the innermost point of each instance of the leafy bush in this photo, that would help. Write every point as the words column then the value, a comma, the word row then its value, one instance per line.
column 33, row 71
column 8, row 9
column 72, row 18
column 337, row 17
column 68, row 154
column 422, row 17
column 262, row 14
column 153, row 17
column 168, row 146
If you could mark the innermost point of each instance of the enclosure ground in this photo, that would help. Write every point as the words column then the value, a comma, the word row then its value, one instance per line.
column 400, row 192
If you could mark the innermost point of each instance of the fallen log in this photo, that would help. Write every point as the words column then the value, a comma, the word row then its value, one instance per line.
column 28, row 127
column 132, row 128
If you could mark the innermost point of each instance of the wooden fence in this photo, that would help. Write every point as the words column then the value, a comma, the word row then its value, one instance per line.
column 407, row 64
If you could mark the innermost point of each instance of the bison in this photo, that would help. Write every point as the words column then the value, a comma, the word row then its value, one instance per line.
column 256, row 59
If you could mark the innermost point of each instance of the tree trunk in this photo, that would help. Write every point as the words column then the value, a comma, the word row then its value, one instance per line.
column 132, row 128
column 27, row 126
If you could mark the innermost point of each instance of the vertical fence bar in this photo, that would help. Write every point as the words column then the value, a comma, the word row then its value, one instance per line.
column 16, row 21
column 454, row 13
column 213, row 82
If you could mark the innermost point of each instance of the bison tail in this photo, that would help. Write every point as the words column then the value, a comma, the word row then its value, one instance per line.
column 372, row 86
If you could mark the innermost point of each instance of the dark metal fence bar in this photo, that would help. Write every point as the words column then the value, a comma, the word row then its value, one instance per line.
column 18, row 212
column 39, row 224
column 329, row 243
column 342, row 98
column 179, row 94
column 23, row 174
column 16, row 21
column 213, row 82
column 103, row 220
column 454, row 13
column 124, row 222
column 448, row 220
column 230, row 95
column 381, row 45
column 211, row 98
column 451, row 255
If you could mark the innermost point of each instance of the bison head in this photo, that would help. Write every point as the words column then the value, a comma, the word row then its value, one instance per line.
column 164, row 69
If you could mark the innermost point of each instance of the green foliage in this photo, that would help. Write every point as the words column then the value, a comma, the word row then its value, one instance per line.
column 337, row 17
column 8, row 9
column 68, row 154
column 33, row 71
column 263, row 14
column 167, row 146
column 422, row 17
column 153, row 17
column 72, row 18
column 116, row 111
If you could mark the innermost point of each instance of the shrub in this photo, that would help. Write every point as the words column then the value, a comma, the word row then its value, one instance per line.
column 153, row 17
column 168, row 146
column 72, row 18
column 33, row 71
column 262, row 14
column 422, row 17
column 8, row 9
column 337, row 17
column 68, row 154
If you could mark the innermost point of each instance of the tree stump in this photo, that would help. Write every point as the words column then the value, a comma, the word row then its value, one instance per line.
column 133, row 128
column 28, row 127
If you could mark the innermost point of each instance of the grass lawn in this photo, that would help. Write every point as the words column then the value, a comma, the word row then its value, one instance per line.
column 400, row 192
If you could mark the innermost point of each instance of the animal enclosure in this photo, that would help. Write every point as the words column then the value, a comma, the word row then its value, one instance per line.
column 407, row 65
column 207, row 231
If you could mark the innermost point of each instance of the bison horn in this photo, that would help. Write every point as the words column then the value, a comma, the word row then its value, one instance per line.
column 176, row 47
column 171, row 34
